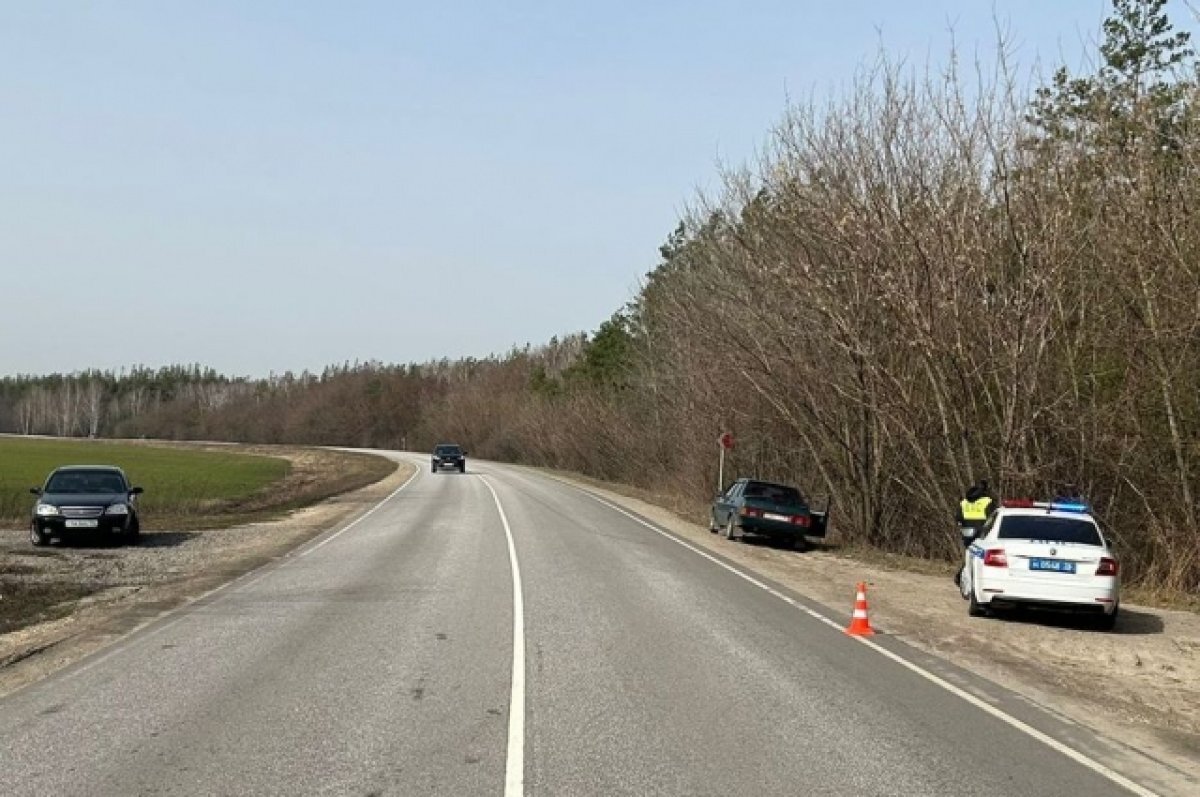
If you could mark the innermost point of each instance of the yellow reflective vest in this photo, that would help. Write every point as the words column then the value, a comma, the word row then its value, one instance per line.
column 976, row 511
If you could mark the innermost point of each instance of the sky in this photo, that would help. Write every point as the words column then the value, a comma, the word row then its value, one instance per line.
column 284, row 184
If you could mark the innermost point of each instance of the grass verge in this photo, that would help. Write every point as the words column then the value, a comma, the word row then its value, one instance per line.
column 177, row 480
column 190, row 486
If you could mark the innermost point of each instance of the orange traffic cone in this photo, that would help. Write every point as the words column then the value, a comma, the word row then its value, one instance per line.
column 860, row 625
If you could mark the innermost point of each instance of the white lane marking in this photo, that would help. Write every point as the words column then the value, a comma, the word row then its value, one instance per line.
column 514, row 771
column 244, row 580
column 361, row 517
column 1023, row 727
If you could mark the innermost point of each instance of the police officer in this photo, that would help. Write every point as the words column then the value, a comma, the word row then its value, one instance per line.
column 1069, row 494
column 973, row 511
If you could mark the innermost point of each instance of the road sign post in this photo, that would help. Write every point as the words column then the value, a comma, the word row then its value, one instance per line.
column 725, row 442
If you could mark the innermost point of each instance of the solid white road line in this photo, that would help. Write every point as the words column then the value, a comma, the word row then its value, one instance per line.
column 1023, row 727
column 514, row 771
column 361, row 517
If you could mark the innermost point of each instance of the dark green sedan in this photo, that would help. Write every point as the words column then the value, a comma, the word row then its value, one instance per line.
column 766, row 509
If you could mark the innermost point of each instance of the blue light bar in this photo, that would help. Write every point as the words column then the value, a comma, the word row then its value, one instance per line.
column 1071, row 507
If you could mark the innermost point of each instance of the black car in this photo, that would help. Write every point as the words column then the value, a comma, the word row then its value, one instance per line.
column 768, row 509
column 85, row 498
column 448, row 455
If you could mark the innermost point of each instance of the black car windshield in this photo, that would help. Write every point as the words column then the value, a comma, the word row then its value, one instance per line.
column 776, row 493
column 1049, row 529
column 79, row 482
column 448, row 451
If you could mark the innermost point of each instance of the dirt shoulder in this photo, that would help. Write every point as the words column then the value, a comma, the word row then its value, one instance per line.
column 126, row 587
column 1138, row 686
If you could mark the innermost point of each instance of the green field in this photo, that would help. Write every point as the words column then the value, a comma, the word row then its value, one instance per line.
column 179, row 481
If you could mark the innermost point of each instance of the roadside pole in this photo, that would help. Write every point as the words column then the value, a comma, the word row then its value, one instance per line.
column 721, row 472
column 724, row 443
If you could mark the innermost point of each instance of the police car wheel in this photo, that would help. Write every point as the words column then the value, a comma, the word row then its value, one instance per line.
column 1107, row 622
column 974, row 607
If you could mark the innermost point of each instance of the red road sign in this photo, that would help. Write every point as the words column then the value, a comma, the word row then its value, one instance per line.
column 726, row 440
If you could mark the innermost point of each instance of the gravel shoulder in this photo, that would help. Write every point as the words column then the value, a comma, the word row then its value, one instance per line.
column 1138, row 686
column 131, row 586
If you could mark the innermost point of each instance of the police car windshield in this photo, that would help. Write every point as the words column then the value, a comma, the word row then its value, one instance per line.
column 1049, row 529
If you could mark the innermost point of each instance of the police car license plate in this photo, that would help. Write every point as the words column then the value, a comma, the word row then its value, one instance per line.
column 82, row 524
column 1052, row 565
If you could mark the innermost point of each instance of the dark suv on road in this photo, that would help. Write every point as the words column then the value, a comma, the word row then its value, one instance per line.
column 85, row 498
column 448, row 455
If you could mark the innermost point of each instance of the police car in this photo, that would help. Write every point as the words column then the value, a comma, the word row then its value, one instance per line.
column 1043, row 555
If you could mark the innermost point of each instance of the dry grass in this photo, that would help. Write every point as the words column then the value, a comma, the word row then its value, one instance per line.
column 24, row 603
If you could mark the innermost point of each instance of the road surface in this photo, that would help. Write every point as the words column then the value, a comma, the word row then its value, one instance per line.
column 379, row 659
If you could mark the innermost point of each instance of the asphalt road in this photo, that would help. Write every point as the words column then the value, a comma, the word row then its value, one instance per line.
column 379, row 660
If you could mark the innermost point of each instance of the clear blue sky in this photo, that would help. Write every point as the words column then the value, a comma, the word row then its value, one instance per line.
column 262, row 186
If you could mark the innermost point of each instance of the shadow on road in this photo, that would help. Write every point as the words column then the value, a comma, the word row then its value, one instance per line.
column 783, row 544
column 1132, row 622
column 165, row 539
column 1137, row 622
column 147, row 539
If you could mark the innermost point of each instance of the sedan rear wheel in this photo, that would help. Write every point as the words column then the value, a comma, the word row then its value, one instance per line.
column 731, row 530
column 798, row 543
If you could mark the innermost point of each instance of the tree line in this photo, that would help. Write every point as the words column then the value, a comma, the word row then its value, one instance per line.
column 921, row 282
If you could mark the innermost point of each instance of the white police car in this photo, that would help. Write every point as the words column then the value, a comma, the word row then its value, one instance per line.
column 1045, row 555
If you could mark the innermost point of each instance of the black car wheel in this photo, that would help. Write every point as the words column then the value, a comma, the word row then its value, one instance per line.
column 37, row 536
column 134, row 533
column 462, row 468
column 797, row 543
